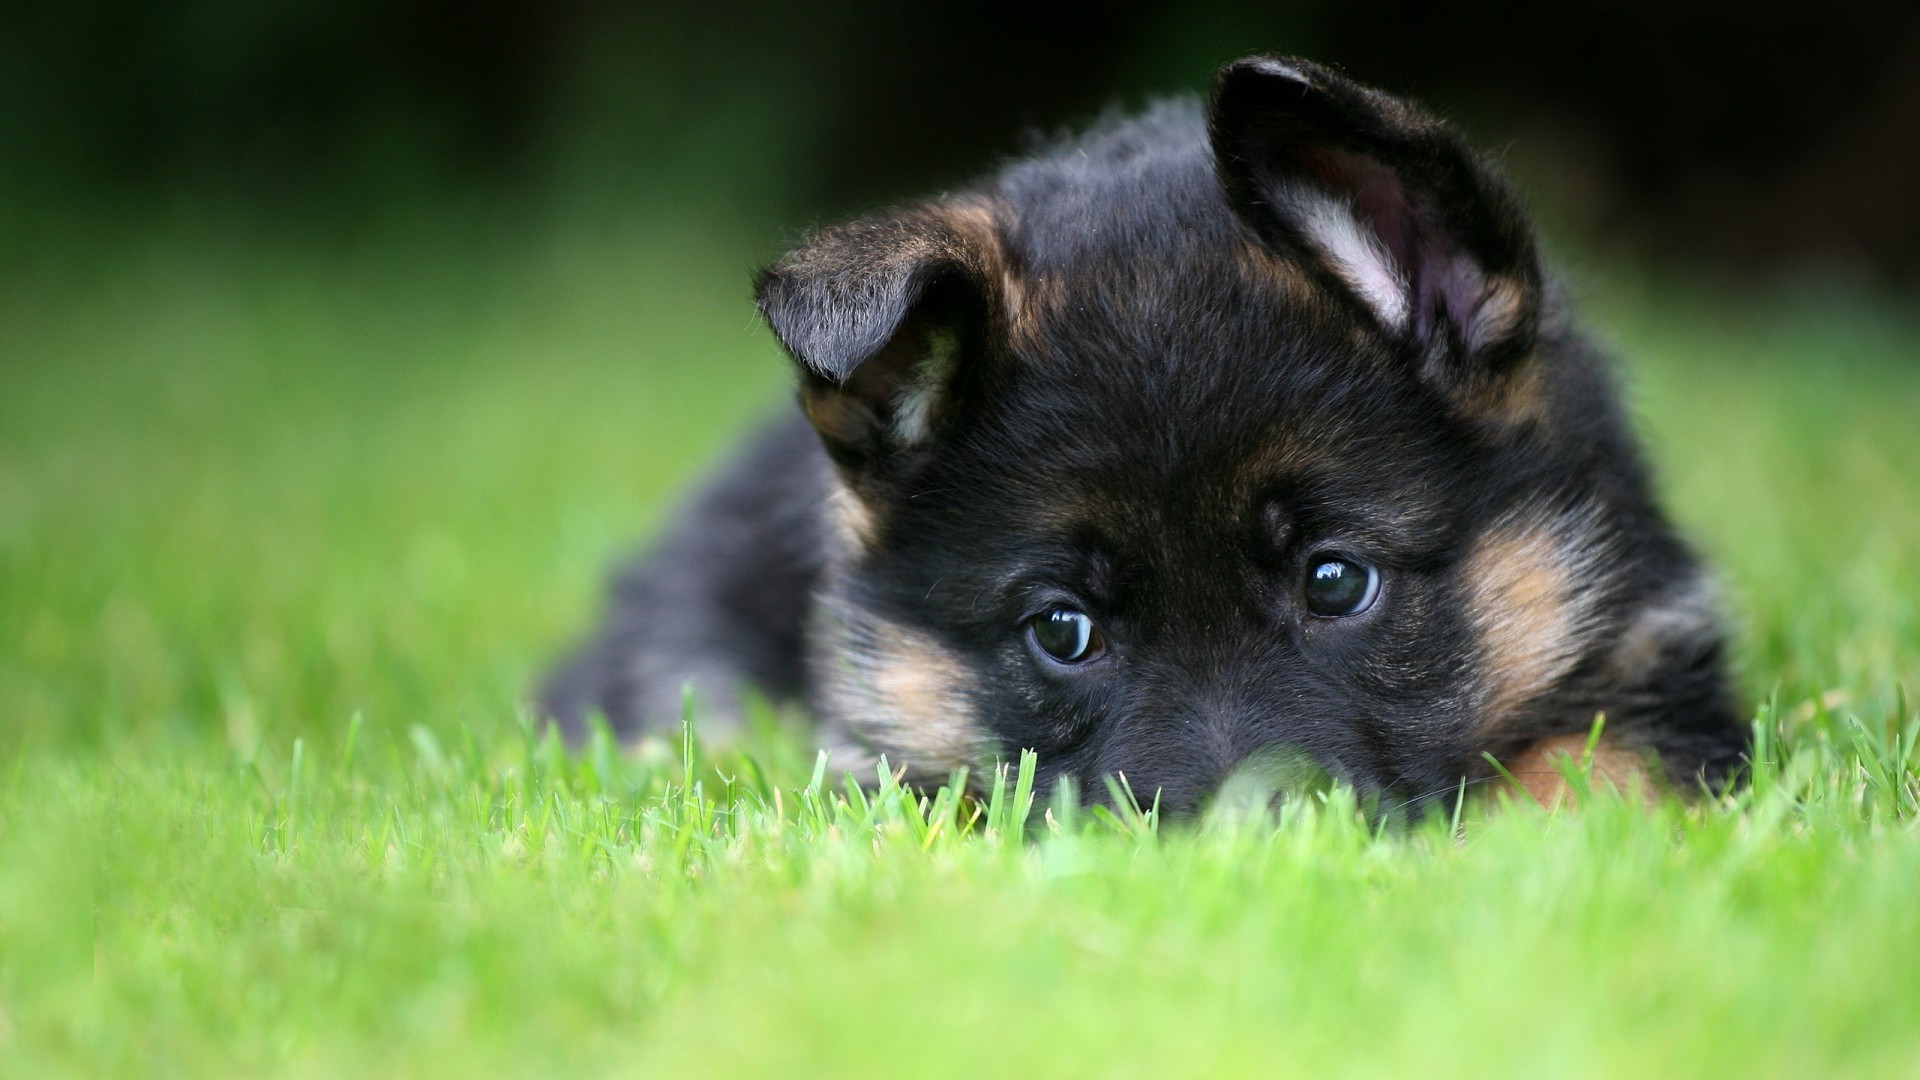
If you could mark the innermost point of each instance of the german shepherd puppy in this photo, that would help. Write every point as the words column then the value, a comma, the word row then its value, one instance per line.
column 1213, row 434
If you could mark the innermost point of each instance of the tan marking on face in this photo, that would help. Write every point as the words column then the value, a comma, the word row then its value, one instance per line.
column 1537, row 769
column 902, row 694
column 853, row 520
column 1533, row 595
column 1297, row 452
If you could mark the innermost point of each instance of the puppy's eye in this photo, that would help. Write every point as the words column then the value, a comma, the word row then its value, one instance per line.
column 1066, row 635
column 1337, row 585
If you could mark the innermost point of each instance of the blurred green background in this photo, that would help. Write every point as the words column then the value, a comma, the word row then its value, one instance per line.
column 1736, row 134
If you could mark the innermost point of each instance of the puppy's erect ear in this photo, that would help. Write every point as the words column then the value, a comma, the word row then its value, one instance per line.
column 882, row 315
column 1388, row 201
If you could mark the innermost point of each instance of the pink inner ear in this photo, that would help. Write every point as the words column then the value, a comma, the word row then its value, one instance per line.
column 1442, row 282
column 1379, row 200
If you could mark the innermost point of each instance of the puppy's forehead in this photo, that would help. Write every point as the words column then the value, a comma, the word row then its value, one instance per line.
column 1125, row 262
column 1136, row 230
column 1169, row 371
column 1186, row 352
column 1181, row 460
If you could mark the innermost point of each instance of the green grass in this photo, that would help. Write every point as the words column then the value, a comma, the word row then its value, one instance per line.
column 286, row 529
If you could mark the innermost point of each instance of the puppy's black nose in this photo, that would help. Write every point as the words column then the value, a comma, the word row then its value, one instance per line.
column 1181, row 760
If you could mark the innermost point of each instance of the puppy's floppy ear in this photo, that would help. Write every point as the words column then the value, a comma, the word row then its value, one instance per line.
column 882, row 316
column 1389, row 202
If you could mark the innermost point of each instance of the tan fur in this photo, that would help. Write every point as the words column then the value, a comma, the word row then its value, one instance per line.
column 1518, row 397
column 1025, row 301
column 1301, row 449
column 1030, row 302
column 1537, row 768
column 977, row 221
column 1502, row 307
column 898, row 688
column 1533, row 602
column 852, row 518
column 1523, row 397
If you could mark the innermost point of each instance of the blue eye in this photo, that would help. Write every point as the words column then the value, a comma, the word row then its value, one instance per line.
column 1066, row 635
column 1337, row 586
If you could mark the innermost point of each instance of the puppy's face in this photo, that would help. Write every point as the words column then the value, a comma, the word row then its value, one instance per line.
column 1196, row 446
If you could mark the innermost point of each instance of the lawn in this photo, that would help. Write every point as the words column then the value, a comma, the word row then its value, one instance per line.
column 288, row 523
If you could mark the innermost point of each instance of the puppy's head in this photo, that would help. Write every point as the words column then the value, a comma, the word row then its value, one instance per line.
column 1203, row 439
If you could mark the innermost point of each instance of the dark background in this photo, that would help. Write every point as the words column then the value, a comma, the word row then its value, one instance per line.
column 1755, row 139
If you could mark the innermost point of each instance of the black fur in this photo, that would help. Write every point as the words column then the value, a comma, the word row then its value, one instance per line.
column 1131, row 375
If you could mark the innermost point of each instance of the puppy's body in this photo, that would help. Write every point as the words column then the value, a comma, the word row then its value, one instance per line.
column 1097, row 456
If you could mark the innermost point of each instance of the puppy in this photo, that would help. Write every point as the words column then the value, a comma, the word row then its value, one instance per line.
column 1220, row 433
